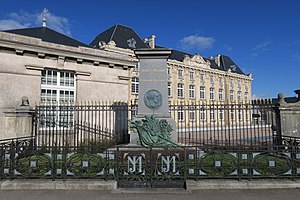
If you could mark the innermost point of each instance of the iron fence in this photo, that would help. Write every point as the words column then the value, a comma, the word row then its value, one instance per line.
column 197, row 123
column 81, row 124
column 224, row 124
column 151, row 165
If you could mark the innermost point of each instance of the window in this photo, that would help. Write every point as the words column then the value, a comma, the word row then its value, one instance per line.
column 212, row 80
column 231, row 95
column 180, row 113
column 246, row 97
column 192, row 91
column 212, row 93
column 192, row 75
column 169, row 89
column 239, row 97
column 212, row 114
column 221, row 114
column 136, row 68
column 135, row 85
column 169, row 71
column 231, row 82
column 239, row 83
column 247, row 113
column 202, row 92
column 57, row 88
column 232, row 113
column 239, row 113
column 180, row 73
column 202, row 78
column 192, row 113
column 220, row 94
column 202, row 113
column 220, row 80
column 246, row 87
column 180, row 90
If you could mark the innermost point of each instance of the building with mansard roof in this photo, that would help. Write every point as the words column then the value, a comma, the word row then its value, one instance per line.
column 216, row 79
column 48, row 66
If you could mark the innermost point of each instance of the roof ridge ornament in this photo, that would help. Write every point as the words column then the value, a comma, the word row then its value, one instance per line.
column 45, row 11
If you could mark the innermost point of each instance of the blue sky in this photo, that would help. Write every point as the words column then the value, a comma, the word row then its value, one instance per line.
column 261, row 36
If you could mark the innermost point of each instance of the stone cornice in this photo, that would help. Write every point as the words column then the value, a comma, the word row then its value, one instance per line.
column 21, row 43
column 188, row 65
column 39, row 68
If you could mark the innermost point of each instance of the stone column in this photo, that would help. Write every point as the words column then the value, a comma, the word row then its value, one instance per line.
column 153, row 87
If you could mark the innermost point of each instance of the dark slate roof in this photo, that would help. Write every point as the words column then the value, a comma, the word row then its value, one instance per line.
column 227, row 63
column 178, row 55
column 48, row 35
column 213, row 64
column 123, row 36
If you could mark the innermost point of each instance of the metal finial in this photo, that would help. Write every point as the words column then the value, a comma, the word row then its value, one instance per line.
column 45, row 11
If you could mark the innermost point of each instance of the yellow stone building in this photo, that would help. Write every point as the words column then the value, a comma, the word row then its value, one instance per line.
column 191, row 77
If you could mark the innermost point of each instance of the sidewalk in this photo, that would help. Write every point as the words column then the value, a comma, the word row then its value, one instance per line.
column 191, row 185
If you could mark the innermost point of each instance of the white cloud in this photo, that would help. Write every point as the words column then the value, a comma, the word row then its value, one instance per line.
column 264, row 46
column 8, row 24
column 297, row 56
column 227, row 47
column 24, row 19
column 197, row 42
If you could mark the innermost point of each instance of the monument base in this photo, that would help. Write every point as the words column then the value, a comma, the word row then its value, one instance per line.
column 134, row 136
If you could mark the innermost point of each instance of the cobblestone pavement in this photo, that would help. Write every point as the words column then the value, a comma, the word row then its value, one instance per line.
column 151, row 194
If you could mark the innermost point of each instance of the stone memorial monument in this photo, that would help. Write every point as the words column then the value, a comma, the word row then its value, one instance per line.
column 153, row 123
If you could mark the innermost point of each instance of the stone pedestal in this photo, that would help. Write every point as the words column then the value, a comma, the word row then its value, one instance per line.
column 153, row 88
column 288, row 117
column 18, row 122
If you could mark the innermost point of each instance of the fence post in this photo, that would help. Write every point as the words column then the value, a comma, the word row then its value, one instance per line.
column 2, row 159
column 277, row 129
column 12, row 159
column 185, row 168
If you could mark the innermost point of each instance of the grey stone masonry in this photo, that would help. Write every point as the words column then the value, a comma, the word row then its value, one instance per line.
column 153, row 76
column 18, row 122
column 153, row 87
column 288, row 117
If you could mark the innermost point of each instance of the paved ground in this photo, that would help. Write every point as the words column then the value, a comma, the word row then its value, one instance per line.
column 165, row 194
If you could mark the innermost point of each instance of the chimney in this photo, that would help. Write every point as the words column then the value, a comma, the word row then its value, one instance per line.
column 218, row 60
column 151, row 41
column 298, row 93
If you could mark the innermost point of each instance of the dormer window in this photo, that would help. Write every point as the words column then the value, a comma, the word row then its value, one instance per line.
column 233, row 68
column 131, row 42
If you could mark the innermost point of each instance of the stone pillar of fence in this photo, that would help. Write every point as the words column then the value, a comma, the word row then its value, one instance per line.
column 288, row 116
column 19, row 121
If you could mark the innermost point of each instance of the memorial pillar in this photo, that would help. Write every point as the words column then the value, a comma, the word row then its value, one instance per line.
column 153, row 87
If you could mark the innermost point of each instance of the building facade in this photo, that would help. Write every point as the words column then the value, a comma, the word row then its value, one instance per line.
column 191, row 77
column 52, row 68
